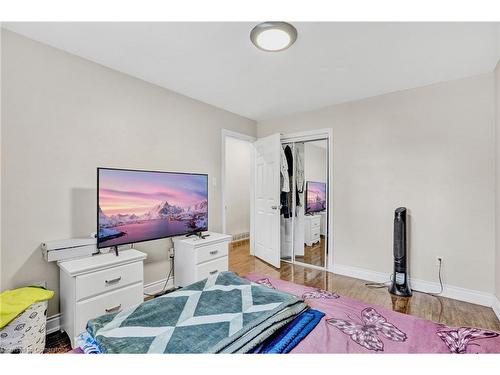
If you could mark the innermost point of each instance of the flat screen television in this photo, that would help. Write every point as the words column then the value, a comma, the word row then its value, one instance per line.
column 315, row 197
column 135, row 206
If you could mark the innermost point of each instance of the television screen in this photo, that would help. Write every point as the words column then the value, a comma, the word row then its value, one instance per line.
column 315, row 197
column 136, row 206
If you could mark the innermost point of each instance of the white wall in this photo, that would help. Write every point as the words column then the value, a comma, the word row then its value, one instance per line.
column 497, row 203
column 237, row 193
column 430, row 149
column 62, row 117
column 315, row 162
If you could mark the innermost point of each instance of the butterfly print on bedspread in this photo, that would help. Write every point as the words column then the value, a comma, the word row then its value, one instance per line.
column 366, row 332
column 265, row 282
column 459, row 339
column 320, row 293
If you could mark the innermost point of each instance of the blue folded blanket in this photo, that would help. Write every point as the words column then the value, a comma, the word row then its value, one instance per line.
column 291, row 335
column 221, row 314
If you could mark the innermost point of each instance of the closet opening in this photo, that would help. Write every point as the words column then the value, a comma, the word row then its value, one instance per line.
column 237, row 182
column 305, row 201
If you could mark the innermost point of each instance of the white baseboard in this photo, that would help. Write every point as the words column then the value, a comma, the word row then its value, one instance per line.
column 361, row 273
column 496, row 307
column 449, row 291
column 54, row 321
column 157, row 286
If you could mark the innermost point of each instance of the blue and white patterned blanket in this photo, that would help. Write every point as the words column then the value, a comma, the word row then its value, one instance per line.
column 221, row 314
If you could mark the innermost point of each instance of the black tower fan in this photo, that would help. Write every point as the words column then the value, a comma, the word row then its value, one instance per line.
column 399, row 285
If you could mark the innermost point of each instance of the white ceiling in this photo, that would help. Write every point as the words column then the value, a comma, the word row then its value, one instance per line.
column 330, row 63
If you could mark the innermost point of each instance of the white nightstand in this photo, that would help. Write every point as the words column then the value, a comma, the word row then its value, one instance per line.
column 312, row 228
column 98, row 285
column 196, row 258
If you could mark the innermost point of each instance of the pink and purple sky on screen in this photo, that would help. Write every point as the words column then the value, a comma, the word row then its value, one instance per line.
column 315, row 189
column 137, row 192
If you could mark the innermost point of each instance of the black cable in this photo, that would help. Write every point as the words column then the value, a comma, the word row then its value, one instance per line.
column 166, row 281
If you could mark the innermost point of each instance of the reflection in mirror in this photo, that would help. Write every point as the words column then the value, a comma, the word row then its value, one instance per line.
column 311, row 236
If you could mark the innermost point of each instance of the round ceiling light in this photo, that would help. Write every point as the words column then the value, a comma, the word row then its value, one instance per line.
column 273, row 36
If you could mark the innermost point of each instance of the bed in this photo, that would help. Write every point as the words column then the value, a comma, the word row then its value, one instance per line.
column 352, row 326
column 259, row 314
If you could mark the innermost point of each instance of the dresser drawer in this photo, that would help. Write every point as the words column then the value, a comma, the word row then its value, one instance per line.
column 315, row 233
column 210, row 268
column 108, row 303
column 98, row 282
column 315, row 224
column 211, row 252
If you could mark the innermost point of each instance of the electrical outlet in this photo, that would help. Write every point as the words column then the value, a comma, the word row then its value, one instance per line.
column 439, row 260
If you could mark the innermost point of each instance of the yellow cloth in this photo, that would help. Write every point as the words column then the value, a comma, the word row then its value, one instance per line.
column 14, row 302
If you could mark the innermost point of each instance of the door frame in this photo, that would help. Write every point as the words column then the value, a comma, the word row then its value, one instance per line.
column 311, row 135
column 225, row 133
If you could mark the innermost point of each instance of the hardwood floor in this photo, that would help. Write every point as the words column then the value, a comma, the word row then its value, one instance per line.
column 438, row 309
column 314, row 254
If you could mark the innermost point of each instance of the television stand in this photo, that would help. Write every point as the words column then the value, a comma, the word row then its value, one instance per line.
column 199, row 234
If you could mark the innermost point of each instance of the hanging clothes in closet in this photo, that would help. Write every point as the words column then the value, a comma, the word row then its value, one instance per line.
column 286, row 226
column 287, row 165
column 286, row 191
column 298, row 225
column 299, row 174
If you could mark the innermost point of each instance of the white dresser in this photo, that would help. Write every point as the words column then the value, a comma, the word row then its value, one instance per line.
column 312, row 229
column 196, row 258
column 98, row 285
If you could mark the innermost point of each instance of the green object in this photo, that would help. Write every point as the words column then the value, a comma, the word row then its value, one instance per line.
column 14, row 302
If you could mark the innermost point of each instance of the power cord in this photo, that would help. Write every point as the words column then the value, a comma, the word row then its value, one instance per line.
column 379, row 285
column 387, row 283
column 441, row 288
column 170, row 272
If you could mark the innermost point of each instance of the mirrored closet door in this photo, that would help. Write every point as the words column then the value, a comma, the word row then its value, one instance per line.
column 304, row 202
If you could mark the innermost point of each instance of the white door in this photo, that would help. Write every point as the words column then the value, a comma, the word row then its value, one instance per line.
column 267, row 199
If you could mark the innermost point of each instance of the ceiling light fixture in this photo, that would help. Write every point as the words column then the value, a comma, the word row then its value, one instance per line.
column 273, row 36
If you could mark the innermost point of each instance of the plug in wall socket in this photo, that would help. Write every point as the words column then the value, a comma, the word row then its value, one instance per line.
column 439, row 261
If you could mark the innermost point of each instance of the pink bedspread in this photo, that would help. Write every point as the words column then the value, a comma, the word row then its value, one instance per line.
column 352, row 326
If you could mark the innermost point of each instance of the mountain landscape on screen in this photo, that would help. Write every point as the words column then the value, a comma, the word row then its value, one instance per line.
column 137, row 206
column 316, row 197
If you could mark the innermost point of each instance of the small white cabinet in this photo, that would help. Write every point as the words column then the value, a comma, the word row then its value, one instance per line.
column 98, row 285
column 197, row 258
column 312, row 229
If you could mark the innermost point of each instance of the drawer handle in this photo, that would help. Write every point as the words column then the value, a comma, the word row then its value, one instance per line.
column 214, row 252
column 213, row 272
column 113, row 280
column 112, row 309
